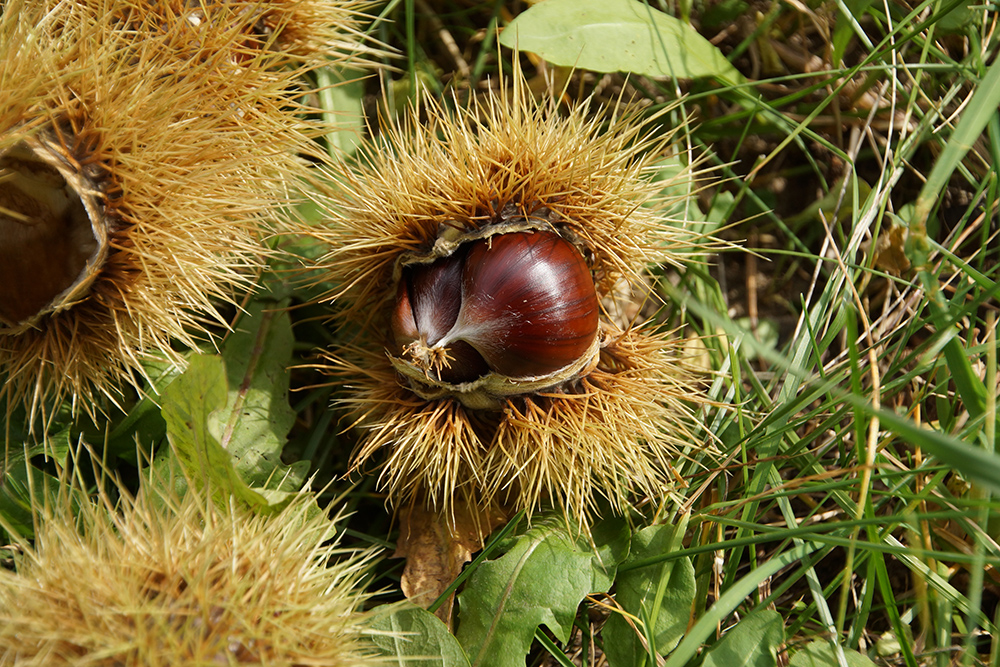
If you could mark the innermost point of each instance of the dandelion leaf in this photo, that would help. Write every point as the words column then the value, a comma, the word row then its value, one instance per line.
column 253, row 427
column 820, row 654
column 415, row 637
column 617, row 36
column 188, row 406
column 657, row 596
column 541, row 579
column 753, row 642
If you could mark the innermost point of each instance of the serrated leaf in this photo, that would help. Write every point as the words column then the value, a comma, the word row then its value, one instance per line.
column 659, row 597
column 540, row 580
column 410, row 635
column 753, row 642
column 617, row 36
column 820, row 654
column 187, row 404
column 254, row 424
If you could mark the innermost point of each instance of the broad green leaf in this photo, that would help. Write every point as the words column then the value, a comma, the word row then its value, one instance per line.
column 658, row 596
column 540, row 580
column 820, row 654
column 16, row 496
column 24, row 487
column 753, row 642
column 143, row 425
column 187, row 404
column 341, row 95
column 617, row 36
column 409, row 635
column 968, row 16
column 729, row 601
column 254, row 424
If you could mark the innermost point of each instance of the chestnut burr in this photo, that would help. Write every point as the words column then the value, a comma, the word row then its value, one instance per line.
column 479, row 259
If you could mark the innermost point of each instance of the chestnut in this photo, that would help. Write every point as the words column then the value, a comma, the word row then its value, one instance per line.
column 521, row 304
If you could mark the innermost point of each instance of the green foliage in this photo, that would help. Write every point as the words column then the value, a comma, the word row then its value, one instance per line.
column 341, row 97
column 753, row 642
column 254, row 424
column 411, row 636
column 821, row 654
column 863, row 422
column 227, row 418
column 541, row 578
column 658, row 599
column 617, row 36
column 187, row 405
column 23, row 487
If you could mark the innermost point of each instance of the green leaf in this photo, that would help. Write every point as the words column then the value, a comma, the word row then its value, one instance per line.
column 753, row 642
column 729, row 601
column 820, row 654
column 659, row 596
column 541, row 579
column 847, row 25
column 16, row 496
column 24, row 487
column 254, row 424
column 187, row 404
column 968, row 16
column 341, row 95
column 143, row 425
column 414, row 636
column 617, row 35
column 721, row 14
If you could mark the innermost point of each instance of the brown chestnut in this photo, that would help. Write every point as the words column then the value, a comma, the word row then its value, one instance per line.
column 521, row 304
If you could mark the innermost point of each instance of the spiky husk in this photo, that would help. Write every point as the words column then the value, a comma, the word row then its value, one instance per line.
column 317, row 32
column 505, row 156
column 602, row 436
column 260, row 34
column 188, row 190
column 609, row 434
column 168, row 579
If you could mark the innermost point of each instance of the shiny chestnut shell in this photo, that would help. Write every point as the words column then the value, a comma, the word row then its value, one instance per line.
column 521, row 304
column 428, row 302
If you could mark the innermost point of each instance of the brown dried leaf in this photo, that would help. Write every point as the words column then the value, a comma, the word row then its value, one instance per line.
column 436, row 546
column 890, row 255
